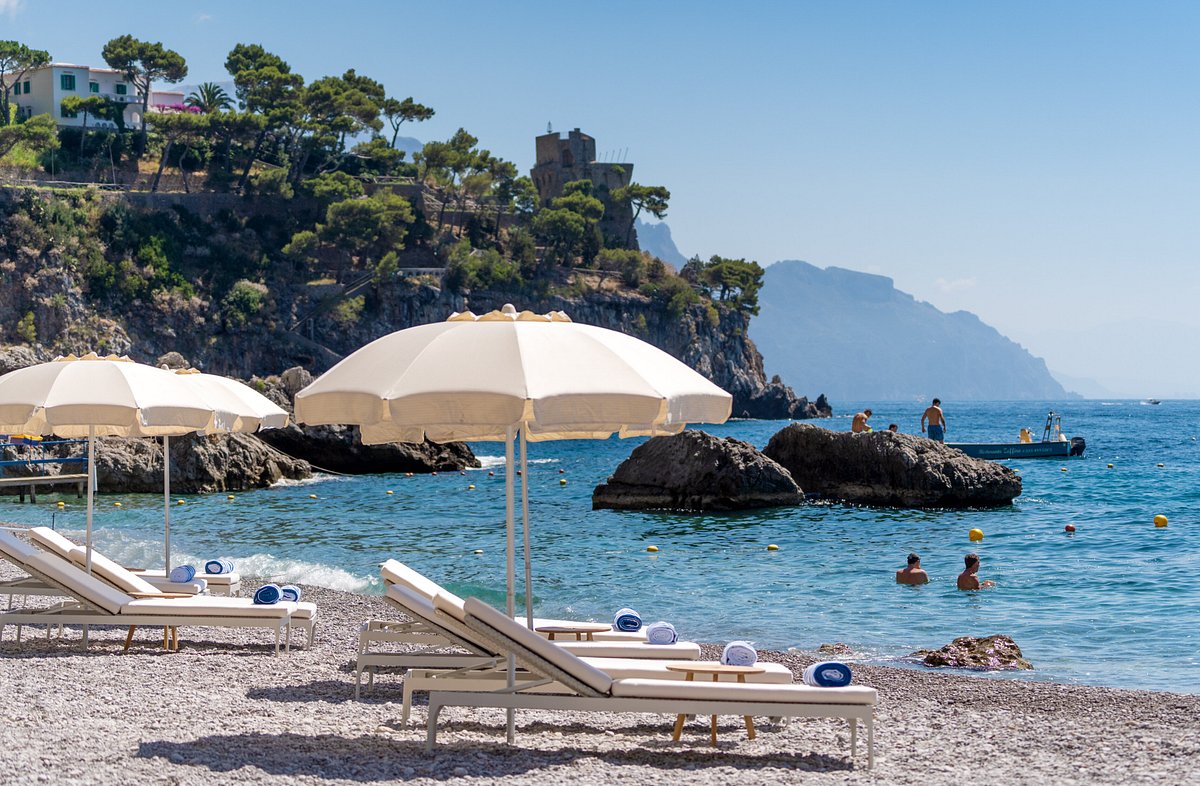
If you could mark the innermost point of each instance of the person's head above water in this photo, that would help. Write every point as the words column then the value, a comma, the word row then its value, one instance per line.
column 914, row 559
column 971, row 559
column 893, row 427
column 937, row 402
column 867, row 412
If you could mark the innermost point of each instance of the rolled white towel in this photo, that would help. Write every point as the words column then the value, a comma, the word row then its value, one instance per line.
column 739, row 653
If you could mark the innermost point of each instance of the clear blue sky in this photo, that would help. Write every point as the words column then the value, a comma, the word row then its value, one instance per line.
column 1033, row 162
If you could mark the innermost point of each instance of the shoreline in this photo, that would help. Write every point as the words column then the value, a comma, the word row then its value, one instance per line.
column 223, row 706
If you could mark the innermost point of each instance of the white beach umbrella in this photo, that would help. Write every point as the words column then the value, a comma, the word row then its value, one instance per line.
column 94, row 396
column 504, row 374
column 235, row 407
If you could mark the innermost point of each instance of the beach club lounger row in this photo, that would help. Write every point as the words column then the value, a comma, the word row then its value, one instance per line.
column 414, row 594
column 98, row 603
column 483, row 670
column 585, row 688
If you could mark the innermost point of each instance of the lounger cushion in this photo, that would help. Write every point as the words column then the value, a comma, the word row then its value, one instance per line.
column 111, row 572
column 535, row 644
column 78, row 583
column 206, row 606
column 163, row 584
column 734, row 692
column 636, row 668
column 52, row 541
column 680, row 650
column 15, row 549
column 396, row 572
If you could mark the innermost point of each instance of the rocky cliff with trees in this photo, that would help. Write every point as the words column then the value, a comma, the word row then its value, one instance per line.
column 295, row 231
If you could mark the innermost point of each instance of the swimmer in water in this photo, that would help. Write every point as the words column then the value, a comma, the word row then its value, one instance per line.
column 912, row 573
column 968, row 580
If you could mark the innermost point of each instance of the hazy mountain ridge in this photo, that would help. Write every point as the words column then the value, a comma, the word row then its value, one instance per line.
column 855, row 336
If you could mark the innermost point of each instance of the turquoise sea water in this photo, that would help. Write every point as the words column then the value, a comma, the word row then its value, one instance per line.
column 1115, row 603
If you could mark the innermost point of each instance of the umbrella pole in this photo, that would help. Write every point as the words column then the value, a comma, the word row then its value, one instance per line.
column 525, row 533
column 167, row 505
column 512, row 567
column 91, row 483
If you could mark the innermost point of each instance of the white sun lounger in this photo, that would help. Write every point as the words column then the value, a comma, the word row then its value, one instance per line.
column 436, row 631
column 396, row 572
column 97, row 603
column 120, row 577
column 587, row 689
column 481, row 672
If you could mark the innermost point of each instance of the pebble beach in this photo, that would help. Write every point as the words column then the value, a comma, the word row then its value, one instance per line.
column 223, row 709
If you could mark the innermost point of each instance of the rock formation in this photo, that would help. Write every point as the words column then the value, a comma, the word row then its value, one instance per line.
column 884, row 468
column 989, row 653
column 226, row 462
column 696, row 471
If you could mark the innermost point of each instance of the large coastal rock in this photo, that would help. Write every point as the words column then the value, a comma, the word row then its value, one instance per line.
column 226, row 462
column 884, row 468
column 697, row 471
column 989, row 653
column 13, row 358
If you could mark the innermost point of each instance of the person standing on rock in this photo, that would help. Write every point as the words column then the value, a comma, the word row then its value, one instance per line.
column 968, row 579
column 859, row 424
column 937, row 421
column 912, row 573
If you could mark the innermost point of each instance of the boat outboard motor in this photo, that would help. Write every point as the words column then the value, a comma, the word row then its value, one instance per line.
column 1077, row 446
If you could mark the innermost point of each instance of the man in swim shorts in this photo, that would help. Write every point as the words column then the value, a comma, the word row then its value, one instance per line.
column 859, row 424
column 912, row 573
column 937, row 421
column 968, row 579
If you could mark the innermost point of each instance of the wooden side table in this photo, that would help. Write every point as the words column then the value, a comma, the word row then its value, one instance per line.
column 580, row 629
column 692, row 668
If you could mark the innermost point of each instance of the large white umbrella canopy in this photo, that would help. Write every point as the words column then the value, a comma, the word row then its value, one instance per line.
column 93, row 396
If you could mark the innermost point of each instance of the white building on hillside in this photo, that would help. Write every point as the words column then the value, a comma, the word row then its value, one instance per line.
column 42, row 92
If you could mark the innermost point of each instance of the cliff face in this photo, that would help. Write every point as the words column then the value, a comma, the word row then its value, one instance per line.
column 53, row 296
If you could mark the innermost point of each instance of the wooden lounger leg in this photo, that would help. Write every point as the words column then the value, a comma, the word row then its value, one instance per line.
column 749, row 727
column 129, row 638
column 175, row 638
column 678, row 728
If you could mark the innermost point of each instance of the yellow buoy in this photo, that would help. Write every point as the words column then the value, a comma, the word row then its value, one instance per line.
column 178, row 502
column 116, row 504
column 390, row 491
column 478, row 551
column 562, row 481
column 1064, row 469
column 470, row 488
column 772, row 547
column 1110, row 466
column 652, row 548
column 231, row 497
column 975, row 535
column 312, row 496
column 1161, row 465
column 1160, row 520
column 62, row 504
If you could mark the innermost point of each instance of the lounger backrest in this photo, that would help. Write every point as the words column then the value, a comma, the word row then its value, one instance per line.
column 77, row 583
column 14, row 549
column 419, row 607
column 452, row 606
column 113, row 573
column 535, row 653
column 52, row 541
column 396, row 572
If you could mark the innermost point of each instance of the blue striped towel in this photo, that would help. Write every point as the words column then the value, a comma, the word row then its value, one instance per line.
column 290, row 592
column 218, row 567
column 827, row 674
column 739, row 653
column 661, row 633
column 268, row 594
column 182, row 574
column 627, row 620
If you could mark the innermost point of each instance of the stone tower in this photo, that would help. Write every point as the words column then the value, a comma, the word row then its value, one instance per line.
column 561, row 160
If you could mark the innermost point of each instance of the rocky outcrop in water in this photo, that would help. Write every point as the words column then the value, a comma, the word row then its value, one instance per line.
column 989, row 653
column 199, row 464
column 340, row 449
column 888, row 469
column 696, row 471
